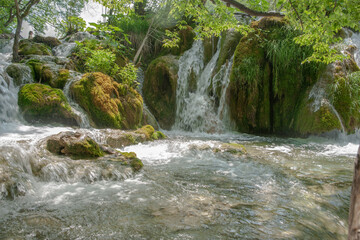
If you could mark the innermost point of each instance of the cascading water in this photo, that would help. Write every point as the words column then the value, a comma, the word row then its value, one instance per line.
column 196, row 108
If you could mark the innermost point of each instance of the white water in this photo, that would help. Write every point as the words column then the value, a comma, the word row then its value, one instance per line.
column 196, row 110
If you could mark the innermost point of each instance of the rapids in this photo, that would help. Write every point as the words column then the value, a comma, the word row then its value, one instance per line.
column 281, row 189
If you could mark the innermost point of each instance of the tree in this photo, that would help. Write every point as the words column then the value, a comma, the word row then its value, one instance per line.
column 21, row 12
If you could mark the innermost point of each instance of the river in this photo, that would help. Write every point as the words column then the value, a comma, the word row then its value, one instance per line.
column 283, row 188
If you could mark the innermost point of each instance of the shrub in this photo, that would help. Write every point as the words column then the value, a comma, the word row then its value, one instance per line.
column 102, row 61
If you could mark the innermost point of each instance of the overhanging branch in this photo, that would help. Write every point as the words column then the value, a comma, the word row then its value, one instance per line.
column 252, row 12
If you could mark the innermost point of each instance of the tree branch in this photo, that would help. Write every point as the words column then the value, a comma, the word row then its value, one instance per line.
column 28, row 6
column 297, row 14
column 252, row 12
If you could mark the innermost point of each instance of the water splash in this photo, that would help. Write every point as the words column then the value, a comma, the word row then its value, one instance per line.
column 82, row 117
column 198, row 107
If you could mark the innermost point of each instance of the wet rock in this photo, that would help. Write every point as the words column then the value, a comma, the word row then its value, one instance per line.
column 149, row 119
column 41, row 103
column 49, row 41
column 28, row 47
column 233, row 148
column 127, row 159
column 74, row 144
column 9, row 187
column 160, row 89
column 80, row 36
column 108, row 103
column 20, row 73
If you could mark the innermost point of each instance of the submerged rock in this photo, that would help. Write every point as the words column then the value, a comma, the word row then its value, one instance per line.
column 74, row 144
column 41, row 103
column 160, row 89
column 108, row 103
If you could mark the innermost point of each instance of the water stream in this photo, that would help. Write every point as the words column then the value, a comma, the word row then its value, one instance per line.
column 189, row 188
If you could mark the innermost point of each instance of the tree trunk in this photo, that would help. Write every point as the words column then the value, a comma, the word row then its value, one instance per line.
column 16, row 57
column 354, row 213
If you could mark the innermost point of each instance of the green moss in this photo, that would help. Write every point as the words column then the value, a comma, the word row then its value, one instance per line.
column 147, row 130
column 62, row 78
column 41, row 102
column 160, row 89
column 135, row 163
column 158, row 135
column 84, row 149
column 187, row 36
column 27, row 47
column 99, row 95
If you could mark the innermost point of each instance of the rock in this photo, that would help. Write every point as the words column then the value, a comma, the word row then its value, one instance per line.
column 74, row 144
column 147, row 130
column 28, row 47
column 233, row 148
column 49, row 41
column 108, row 103
column 120, row 138
column 160, row 89
column 149, row 119
column 80, row 36
column 186, row 36
column 268, row 81
column 41, row 103
column 20, row 73
column 158, row 135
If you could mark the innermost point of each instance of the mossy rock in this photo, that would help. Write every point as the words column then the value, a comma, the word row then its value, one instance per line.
column 160, row 89
column 109, row 104
column 41, row 103
column 149, row 119
column 158, row 135
column 76, row 145
column 28, row 47
column 210, row 48
column 147, row 130
column 20, row 73
column 233, row 148
column 264, row 95
column 49, row 41
column 135, row 163
column 186, row 36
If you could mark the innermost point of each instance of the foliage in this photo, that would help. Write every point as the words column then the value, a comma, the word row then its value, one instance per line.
column 72, row 24
column 102, row 61
column 128, row 75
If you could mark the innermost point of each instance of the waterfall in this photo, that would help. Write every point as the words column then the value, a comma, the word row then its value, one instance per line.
column 197, row 107
column 82, row 117
column 9, row 111
column 64, row 49
column 354, row 39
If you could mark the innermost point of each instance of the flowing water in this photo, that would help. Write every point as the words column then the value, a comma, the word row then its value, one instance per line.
column 189, row 187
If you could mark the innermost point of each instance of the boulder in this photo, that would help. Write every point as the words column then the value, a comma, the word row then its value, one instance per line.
column 109, row 104
column 49, row 41
column 41, row 103
column 72, row 144
column 28, row 47
column 20, row 73
column 159, row 89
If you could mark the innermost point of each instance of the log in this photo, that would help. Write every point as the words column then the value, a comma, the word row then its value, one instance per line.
column 354, row 212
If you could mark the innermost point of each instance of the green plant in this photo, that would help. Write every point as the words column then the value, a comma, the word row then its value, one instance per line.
column 72, row 25
column 102, row 61
column 128, row 75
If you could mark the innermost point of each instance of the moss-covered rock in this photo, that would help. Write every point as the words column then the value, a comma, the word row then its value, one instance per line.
column 149, row 119
column 20, row 73
column 160, row 89
column 233, row 148
column 28, row 47
column 186, row 36
column 210, row 48
column 41, row 103
column 268, row 80
column 108, row 103
column 158, row 135
column 73, row 144
column 147, row 130
column 49, row 41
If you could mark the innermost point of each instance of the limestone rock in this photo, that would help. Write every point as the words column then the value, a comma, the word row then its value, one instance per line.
column 160, row 89
column 108, row 103
column 41, row 103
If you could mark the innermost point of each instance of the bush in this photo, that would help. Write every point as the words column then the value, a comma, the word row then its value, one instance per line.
column 102, row 61
column 128, row 75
